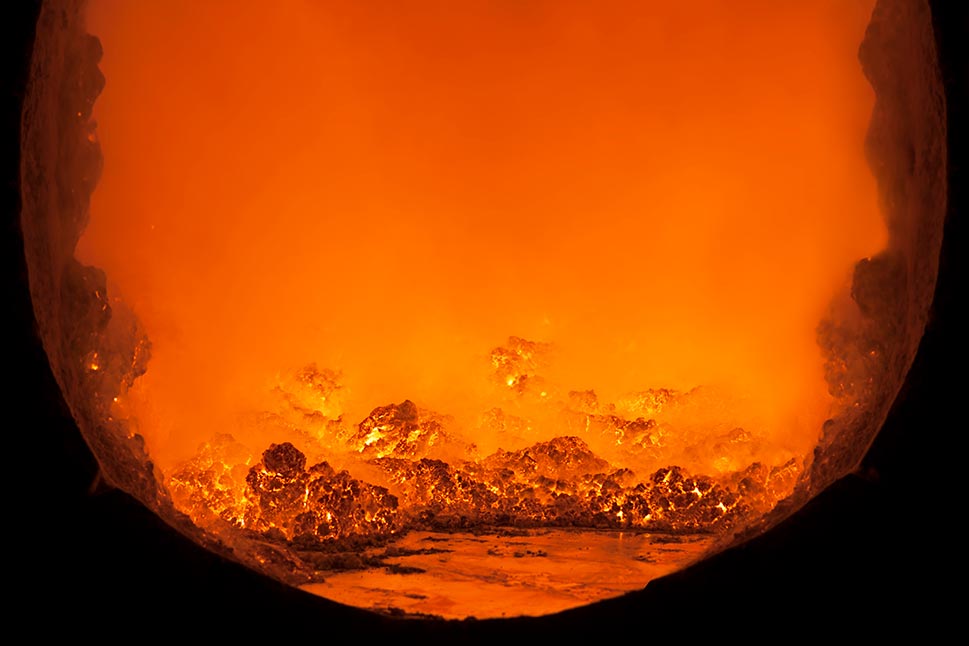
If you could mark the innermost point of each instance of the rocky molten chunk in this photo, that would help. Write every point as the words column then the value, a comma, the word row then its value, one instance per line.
column 560, row 458
column 213, row 483
column 399, row 431
column 517, row 363
column 560, row 482
column 315, row 503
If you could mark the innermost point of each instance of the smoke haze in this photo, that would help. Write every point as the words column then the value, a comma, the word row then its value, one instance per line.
column 670, row 194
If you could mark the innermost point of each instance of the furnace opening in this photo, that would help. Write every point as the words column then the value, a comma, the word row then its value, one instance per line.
column 395, row 299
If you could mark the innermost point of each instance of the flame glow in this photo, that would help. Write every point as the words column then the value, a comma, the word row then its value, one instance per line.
column 617, row 223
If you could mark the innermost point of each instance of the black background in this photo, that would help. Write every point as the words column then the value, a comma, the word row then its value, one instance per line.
column 880, row 553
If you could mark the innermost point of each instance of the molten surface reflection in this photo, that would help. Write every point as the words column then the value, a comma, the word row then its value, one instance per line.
column 535, row 572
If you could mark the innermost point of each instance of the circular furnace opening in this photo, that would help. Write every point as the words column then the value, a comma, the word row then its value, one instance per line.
column 551, row 295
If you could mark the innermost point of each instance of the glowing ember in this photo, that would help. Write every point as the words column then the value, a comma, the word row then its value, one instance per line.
column 556, row 483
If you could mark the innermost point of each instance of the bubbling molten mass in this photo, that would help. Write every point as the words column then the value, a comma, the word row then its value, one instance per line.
column 427, row 267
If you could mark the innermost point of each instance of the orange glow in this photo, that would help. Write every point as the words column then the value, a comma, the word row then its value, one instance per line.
column 668, row 195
